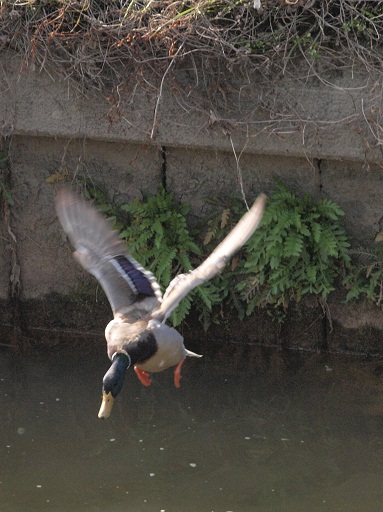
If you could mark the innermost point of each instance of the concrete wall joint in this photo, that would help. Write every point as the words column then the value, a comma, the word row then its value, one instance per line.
column 163, row 167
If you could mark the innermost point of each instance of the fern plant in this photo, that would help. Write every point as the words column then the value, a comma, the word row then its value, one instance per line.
column 365, row 277
column 300, row 248
column 158, row 237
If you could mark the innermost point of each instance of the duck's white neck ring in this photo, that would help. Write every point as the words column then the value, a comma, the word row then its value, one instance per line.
column 125, row 353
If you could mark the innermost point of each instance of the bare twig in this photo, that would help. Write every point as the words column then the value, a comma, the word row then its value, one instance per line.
column 159, row 96
column 239, row 171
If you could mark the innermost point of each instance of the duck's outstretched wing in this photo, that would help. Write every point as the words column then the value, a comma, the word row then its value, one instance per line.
column 131, row 290
column 238, row 236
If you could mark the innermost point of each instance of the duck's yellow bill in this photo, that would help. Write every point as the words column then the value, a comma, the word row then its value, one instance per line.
column 106, row 405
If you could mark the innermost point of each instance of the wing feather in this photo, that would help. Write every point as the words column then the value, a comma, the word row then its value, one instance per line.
column 131, row 290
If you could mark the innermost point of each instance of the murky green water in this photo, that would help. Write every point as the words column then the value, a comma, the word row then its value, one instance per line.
column 228, row 440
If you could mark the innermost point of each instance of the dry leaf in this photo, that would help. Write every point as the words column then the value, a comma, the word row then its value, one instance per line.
column 57, row 176
column 225, row 218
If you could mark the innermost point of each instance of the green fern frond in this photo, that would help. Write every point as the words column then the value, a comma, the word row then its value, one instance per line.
column 327, row 208
column 183, row 309
column 293, row 245
column 316, row 231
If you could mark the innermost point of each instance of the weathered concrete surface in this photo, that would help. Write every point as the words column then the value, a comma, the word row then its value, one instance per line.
column 196, row 175
column 311, row 116
column 44, row 253
column 357, row 188
column 321, row 140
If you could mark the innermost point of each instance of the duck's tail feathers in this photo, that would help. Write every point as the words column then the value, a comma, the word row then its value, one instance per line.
column 189, row 353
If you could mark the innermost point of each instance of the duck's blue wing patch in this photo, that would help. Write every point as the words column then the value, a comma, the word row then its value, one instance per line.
column 140, row 280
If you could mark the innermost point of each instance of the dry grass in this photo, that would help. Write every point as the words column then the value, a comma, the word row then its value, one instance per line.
column 115, row 46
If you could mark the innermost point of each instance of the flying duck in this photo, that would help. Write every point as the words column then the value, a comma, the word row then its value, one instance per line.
column 138, row 335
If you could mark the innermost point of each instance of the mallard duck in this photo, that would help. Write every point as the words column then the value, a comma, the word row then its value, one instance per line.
column 138, row 335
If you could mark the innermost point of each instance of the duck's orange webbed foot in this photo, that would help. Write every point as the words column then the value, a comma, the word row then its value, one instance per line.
column 177, row 373
column 143, row 376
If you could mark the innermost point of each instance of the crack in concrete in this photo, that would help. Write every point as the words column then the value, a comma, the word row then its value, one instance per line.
column 163, row 167
column 317, row 164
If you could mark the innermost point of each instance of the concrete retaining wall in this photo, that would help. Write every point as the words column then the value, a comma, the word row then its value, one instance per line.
column 318, row 136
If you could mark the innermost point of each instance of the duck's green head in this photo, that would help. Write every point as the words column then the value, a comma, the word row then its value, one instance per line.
column 112, row 382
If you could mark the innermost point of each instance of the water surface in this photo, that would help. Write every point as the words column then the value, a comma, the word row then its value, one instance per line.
column 308, row 439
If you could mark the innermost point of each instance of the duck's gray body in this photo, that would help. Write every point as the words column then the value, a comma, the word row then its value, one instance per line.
column 169, row 342
column 138, row 334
